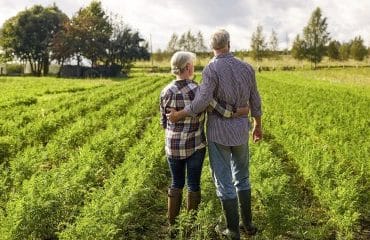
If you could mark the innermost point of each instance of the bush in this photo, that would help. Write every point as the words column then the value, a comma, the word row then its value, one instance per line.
column 14, row 69
column 288, row 68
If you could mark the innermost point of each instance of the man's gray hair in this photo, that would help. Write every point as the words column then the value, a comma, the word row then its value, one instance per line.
column 220, row 39
column 179, row 61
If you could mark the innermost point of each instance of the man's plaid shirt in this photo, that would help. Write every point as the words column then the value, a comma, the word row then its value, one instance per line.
column 186, row 136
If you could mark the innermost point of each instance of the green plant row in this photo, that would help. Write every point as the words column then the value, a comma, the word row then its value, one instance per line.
column 131, row 205
column 50, row 201
column 309, row 177
column 283, row 207
column 26, row 87
column 37, row 125
column 67, row 140
column 325, row 132
column 20, row 116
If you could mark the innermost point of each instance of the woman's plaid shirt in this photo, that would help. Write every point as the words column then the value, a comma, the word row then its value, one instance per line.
column 186, row 136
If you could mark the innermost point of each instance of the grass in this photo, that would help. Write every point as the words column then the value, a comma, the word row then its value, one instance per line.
column 272, row 63
column 310, row 175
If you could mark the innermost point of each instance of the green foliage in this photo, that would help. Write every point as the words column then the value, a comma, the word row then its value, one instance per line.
column 258, row 44
column 200, row 43
column 94, row 163
column 5, row 56
column 358, row 50
column 172, row 44
column 14, row 69
column 318, row 143
column 124, row 207
column 125, row 46
column 333, row 50
column 29, row 34
column 85, row 159
column 344, row 51
column 36, row 33
column 273, row 45
column 313, row 44
column 64, row 44
column 299, row 48
column 101, row 38
column 186, row 42
column 316, row 37
column 91, row 30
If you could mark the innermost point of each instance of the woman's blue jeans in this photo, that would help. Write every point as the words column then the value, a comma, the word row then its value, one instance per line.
column 193, row 167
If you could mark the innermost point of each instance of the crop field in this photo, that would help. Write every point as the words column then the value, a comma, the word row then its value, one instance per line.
column 84, row 159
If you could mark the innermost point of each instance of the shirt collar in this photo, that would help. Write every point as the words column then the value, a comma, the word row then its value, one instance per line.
column 224, row 55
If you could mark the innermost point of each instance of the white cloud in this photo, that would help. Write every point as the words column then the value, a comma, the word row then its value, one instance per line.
column 163, row 17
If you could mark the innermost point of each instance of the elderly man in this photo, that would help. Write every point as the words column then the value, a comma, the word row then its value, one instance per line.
column 231, row 81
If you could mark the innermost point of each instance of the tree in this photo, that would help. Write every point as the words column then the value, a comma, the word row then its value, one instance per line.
column 63, row 44
column 299, row 48
column 258, row 44
column 125, row 46
column 316, row 37
column 200, row 47
column 333, row 50
column 173, row 43
column 186, row 42
column 358, row 50
column 344, row 51
column 4, row 55
column 287, row 41
column 29, row 34
column 273, row 44
column 101, row 38
column 92, row 30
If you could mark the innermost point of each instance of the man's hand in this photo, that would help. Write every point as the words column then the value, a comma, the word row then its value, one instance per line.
column 172, row 115
column 241, row 112
column 175, row 116
column 257, row 133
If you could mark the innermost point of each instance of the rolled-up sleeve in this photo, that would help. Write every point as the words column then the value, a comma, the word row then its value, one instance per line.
column 163, row 114
column 255, row 99
column 204, row 94
column 164, row 99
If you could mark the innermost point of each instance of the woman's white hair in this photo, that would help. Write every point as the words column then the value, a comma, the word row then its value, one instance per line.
column 220, row 39
column 179, row 61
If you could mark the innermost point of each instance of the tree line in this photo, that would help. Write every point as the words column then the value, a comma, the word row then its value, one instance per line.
column 313, row 44
column 186, row 42
column 40, row 34
column 316, row 43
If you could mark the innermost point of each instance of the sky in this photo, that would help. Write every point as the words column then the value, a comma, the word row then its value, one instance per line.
column 159, row 19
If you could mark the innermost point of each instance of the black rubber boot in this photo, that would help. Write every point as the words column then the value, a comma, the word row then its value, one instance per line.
column 246, row 212
column 230, row 209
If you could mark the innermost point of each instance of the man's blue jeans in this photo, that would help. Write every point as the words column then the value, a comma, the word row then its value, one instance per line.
column 230, row 169
column 193, row 166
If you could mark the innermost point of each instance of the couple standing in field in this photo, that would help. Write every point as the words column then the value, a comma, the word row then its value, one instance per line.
column 227, row 93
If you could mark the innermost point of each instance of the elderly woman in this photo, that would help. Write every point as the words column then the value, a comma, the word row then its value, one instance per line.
column 185, row 143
